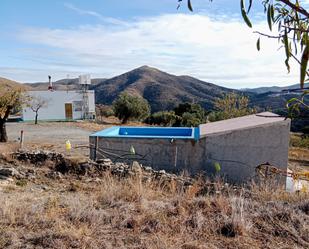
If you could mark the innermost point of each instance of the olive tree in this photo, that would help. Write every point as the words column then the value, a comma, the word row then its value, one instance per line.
column 10, row 99
column 128, row 107
column 35, row 103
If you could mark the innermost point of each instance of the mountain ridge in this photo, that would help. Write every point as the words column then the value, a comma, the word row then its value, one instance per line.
column 164, row 91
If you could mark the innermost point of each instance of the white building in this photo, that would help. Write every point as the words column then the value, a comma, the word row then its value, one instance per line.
column 62, row 105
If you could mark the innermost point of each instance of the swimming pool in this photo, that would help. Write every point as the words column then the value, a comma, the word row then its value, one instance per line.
column 150, row 132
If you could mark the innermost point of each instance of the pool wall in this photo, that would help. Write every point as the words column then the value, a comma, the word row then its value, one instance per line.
column 237, row 150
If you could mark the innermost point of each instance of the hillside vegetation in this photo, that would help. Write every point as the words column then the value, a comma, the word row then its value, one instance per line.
column 94, row 207
column 165, row 91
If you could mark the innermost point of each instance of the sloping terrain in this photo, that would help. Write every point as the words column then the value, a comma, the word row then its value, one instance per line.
column 63, row 84
column 51, row 201
column 273, row 88
column 7, row 84
column 162, row 90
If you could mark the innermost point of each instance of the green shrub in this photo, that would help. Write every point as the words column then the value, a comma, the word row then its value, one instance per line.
column 299, row 141
column 186, row 114
column 231, row 105
column 190, row 120
column 163, row 118
column 191, row 114
column 128, row 107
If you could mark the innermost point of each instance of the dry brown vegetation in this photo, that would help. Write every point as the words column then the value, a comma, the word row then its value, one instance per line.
column 77, row 211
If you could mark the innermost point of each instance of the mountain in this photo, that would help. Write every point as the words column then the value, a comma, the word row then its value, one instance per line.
column 273, row 88
column 162, row 90
column 63, row 84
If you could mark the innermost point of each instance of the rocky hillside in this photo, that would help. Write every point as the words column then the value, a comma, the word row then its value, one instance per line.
column 162, row 90
column 273, row 88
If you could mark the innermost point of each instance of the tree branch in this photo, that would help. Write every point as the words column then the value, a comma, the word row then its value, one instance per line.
column 295, row 7
column 268, row 36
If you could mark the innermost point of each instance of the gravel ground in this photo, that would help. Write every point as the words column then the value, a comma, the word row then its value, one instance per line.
column 51, row 135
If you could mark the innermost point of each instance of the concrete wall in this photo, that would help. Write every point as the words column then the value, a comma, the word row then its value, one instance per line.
column 238, row 151
column 55, row 109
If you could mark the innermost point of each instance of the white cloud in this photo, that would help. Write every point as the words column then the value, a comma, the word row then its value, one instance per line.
column 94, row 14
column 219, row 51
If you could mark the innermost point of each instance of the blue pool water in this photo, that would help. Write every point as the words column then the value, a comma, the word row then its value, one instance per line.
column 150, row 132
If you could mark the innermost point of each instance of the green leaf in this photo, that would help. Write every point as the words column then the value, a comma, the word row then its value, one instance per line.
column 269, row 18
column 250, row 4
column 190, row 5
column 291, row 100
column 258, row 44
column 303, row 66
column 244, row 14
column 287, row 50
column 272, row 13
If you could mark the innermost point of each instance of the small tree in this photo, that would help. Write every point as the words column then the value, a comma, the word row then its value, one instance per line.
column 231, row 105
column 35, row 104
column 128, row 107
column 10, row 99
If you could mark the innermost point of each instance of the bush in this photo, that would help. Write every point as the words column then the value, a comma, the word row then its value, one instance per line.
column 128, row 107
column 231, row 105
column 103, row 111
column 183, row 115
column 191, row 114
column 190, row 120
column 163, row 118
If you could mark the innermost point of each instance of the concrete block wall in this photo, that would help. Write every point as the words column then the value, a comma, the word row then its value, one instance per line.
column 238, row 151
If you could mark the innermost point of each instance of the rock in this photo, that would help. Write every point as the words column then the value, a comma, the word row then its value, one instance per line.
column 162, row 171
column 148, row 169
column 4, row 180
column 54, row 175
column 9, row 172
column 135, row 167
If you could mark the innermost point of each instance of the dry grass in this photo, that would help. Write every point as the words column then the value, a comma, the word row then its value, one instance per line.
column 127, row 213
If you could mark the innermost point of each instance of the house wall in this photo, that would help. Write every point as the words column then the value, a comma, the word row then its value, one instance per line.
column 55, row 109
column 238, row 152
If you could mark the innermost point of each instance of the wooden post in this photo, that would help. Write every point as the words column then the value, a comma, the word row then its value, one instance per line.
column 96, row 147
column 21, row 139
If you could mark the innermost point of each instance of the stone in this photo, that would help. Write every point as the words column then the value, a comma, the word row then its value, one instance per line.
column 135, row 167
column 148, row 169
column 9, row 172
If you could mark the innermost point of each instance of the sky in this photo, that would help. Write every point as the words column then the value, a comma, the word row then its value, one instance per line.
column 108, row 37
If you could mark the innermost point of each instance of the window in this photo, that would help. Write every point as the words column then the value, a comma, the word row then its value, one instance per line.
column 77, row 105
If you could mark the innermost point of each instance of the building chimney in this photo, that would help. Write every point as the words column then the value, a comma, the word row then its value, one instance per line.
column 50, row 86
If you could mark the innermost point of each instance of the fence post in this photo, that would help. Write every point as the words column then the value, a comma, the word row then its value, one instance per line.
column 21, row 139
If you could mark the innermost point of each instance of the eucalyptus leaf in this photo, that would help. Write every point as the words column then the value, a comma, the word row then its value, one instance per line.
column 244, row 14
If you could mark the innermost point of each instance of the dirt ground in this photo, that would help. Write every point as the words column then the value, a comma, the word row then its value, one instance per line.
column 53, row 135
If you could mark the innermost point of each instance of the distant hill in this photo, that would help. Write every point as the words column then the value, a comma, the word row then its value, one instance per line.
column 7, row 84
column 63, row 84
column 273, row 88
column 162, row 90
